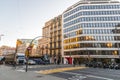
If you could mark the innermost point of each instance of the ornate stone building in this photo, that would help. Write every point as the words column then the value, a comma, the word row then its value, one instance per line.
column 50, row 43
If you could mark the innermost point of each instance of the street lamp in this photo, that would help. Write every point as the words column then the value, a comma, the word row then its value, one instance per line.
column 29, row 48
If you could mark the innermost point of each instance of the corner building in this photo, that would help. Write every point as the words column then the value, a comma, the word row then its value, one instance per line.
column 91, row 31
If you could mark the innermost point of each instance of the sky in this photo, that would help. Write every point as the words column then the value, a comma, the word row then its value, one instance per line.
column 24, row 19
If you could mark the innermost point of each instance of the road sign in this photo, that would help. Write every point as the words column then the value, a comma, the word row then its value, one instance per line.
column 29, row 48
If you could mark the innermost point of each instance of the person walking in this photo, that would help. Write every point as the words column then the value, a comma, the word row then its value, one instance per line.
column 54, row 60
column 74, row 62
column 79, row 62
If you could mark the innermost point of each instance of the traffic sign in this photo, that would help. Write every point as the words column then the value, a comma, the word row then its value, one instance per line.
column 29, row 48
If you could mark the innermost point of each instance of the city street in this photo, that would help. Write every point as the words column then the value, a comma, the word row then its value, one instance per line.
column 87, row 74
column 60, row 40
column 10, row 73
column 37, row 72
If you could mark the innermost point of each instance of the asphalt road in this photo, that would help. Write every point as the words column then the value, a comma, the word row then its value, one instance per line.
column 90, row 74
column 82, row 74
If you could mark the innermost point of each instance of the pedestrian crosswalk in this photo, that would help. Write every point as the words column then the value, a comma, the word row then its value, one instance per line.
column 77, row 77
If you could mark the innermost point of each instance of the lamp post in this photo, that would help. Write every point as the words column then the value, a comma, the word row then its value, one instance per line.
column 29, row 48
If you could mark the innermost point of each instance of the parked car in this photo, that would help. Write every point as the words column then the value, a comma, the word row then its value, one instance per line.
column 106, row 65
column 31, row 62
column 89, row 64
column 47, row 61
column 40, row 61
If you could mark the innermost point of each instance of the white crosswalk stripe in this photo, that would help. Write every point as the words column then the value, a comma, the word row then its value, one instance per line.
column 81, row 77
column 21, row 70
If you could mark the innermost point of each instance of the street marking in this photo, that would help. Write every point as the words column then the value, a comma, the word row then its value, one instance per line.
column 59, row 70
column 76, row 77
column 116, row 75
column 79, row 77
column 85, row 76
column 21, row 70
column 99, row 77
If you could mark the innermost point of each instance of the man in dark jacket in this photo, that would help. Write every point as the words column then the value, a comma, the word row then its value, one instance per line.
column 74, row 62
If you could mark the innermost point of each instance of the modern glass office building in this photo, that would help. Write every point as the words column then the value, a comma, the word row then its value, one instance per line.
column 91, row 31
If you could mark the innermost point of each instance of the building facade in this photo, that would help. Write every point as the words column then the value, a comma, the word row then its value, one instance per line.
column 56, row 36
column 91, row 31
column 6, row 50
column 44, row 41
column 52, row 37
column 24, row 44
column 43, row 47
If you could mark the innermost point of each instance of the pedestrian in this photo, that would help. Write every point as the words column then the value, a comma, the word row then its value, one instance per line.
column 58, row 61
column 74, row 63
column 79, row 63
column 54, row 60
column 66, row 61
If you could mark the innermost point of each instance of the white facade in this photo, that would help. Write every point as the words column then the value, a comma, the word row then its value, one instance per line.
column 91, row 29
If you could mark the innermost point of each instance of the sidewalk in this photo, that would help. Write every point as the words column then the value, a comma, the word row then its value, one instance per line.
column 10, row 73
column 7, row 73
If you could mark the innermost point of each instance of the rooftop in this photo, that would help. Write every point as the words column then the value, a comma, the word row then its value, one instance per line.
column 91, row 2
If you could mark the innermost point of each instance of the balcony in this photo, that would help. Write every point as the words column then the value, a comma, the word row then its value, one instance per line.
column 50, row 37
column 59, row 40
column 47, row 47
column 59, row 28
column 55, row 35
column 55, row 30
column 51, row 48
column 59, row 34
column 51, row 31
column 55, row 40
column 58, row 47
column 55, row 47
column 52, row 40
